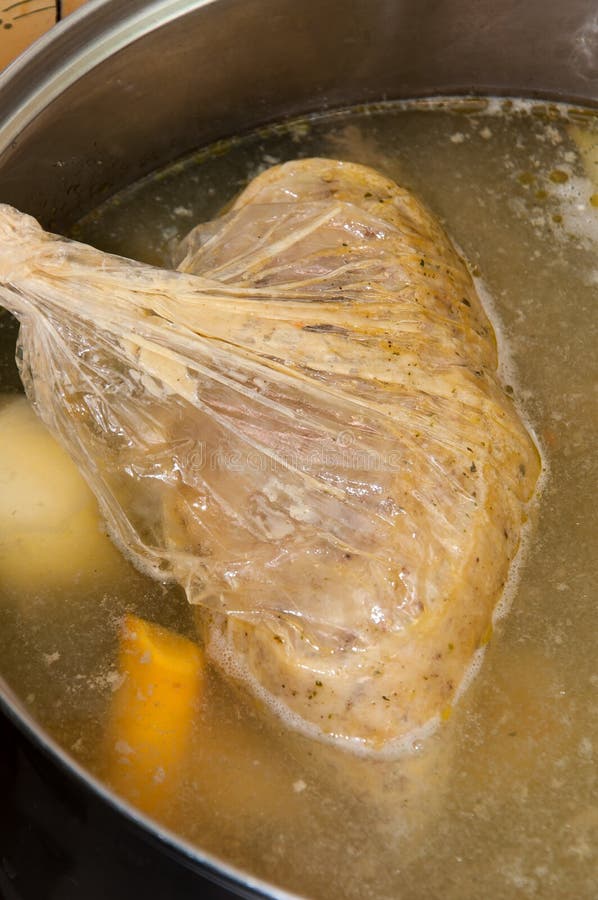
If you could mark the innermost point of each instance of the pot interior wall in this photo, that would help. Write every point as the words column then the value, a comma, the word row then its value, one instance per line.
column 123, row 88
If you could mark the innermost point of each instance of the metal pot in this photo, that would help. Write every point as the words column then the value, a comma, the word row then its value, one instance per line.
column 120, row 89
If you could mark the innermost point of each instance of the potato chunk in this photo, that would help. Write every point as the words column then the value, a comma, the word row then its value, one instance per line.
column 50, row 529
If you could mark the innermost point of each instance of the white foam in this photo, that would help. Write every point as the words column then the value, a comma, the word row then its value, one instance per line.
column 234, row 667
column 508, row 373
column 472, row 670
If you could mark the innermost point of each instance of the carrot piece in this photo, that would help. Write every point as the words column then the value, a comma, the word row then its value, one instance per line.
column 151, row 718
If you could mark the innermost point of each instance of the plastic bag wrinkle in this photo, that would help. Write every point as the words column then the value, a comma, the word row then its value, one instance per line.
column 303, row 426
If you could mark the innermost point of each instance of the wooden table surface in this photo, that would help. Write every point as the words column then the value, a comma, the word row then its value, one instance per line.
column 23, row 21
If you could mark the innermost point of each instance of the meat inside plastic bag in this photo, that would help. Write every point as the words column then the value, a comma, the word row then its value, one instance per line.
column 304, row 426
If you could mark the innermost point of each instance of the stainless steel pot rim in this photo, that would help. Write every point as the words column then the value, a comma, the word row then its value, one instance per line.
column 70, row 54
column 212, row 867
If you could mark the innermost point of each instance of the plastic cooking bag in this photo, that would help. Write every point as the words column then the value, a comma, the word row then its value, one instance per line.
column 304, row 426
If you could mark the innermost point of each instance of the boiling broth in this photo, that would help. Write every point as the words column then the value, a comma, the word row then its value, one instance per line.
column 501, row 801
